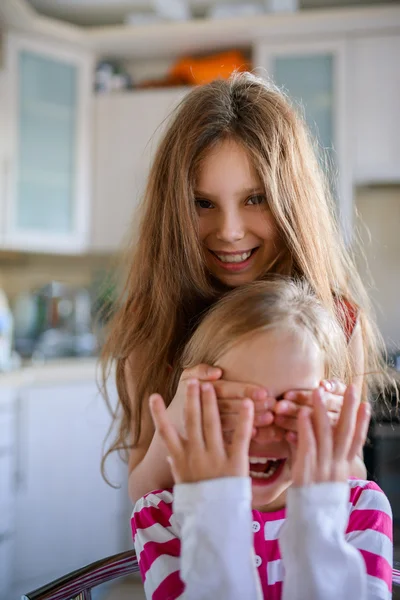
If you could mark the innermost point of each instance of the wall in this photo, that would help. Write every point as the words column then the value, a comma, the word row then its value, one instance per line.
column 379, row 229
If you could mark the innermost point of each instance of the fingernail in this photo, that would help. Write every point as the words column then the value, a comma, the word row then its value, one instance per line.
column 259, row 394
column 283, row 406
column 213, row 371
column 206, row 387
column 290, row 395
column 328, row 385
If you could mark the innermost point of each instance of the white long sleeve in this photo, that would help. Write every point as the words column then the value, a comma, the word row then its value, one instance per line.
column 217, row 556
column 320, row 563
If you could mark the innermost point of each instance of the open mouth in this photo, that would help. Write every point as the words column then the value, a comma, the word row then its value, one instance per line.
column 234, row 261
column 264, row 471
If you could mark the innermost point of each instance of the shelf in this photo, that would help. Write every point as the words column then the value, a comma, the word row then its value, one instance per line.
column 169, row 40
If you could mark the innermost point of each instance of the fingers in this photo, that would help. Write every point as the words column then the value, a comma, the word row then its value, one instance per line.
column 165, row 429
column 229, row 421
column 235, row 389
column 334, row 386
column 232, row 405
column 323, row 437
column 192, row 413
column 239, row 450
column 293, row 400
column 202, row 372
column 300, row 397
column 361, row 430
column 303, row 469
column 271, row 433
column 210, row 417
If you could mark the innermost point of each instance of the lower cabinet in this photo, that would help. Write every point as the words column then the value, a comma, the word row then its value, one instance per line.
column 65, row 514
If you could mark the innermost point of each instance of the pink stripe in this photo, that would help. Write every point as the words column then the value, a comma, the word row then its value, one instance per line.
column 170, row 588
column 396, row 576
column 377, row 566
column 149, row 515
column 152, row 550
column 363, row 519
column 356, row 491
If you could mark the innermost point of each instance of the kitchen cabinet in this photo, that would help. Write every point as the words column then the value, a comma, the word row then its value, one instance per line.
column 127, row 129
column 7, row 445
column 65, row 513
column 374, row 89
column 313, row 74
column 46, row 171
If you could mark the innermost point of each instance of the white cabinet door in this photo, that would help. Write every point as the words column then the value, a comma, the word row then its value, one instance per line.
column 374, row 91
column 49, row 104
column 127, row 128
column 7, row 517
column 313, row 74
column 66, row 515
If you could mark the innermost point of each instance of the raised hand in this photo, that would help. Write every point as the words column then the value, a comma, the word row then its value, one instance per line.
column 201, row 454
column 325, row 453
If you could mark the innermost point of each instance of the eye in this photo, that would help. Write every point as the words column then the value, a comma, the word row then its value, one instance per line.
column 201, row 203
column 255, row 200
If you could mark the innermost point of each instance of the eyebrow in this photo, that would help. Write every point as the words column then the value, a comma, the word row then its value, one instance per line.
column 241, row 194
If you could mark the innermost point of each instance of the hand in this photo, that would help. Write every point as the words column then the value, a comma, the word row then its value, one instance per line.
column 202, row 454
column 230, row 395
column 287, row 410
column 325, row 453
column 175, row 409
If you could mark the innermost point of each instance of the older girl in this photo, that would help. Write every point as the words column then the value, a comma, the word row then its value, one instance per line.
column 313, row 533
column 235, row 193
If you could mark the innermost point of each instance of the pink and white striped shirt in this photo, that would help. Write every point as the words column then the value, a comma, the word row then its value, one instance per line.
column 332, row 540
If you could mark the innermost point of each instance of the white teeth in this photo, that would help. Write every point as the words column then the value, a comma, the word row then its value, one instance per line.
column 267, row 475
column 233, row 258
column 261, row 459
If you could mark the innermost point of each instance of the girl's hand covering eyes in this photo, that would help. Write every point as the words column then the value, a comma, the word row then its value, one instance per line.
column 202, row 454
column 287, row 410
column 324, row 453
column 230, row 395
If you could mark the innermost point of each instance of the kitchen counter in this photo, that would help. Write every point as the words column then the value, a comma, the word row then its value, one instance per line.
column 57, row 371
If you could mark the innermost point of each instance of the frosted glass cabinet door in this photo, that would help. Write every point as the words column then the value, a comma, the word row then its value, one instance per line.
column 313, row 75
column 308, row 79
column 47, row 197
column 45, row 169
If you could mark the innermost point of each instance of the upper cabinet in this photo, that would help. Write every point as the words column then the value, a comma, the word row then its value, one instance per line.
column 47, row 179
column 374, row 89
column 313, row 74
column 127, row 128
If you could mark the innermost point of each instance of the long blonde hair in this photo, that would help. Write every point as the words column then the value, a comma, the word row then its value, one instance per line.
column 167, row 287
column 277, row 304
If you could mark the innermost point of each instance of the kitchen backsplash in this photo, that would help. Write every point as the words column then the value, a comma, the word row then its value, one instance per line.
column 25, row 272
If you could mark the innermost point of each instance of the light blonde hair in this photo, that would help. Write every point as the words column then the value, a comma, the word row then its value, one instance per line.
column 281, row 304
column 167, row 288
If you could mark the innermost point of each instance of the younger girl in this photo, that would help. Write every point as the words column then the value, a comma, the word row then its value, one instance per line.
column 316, row 533
column 235, row 193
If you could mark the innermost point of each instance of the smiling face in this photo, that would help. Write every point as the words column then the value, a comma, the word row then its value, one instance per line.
column 238, row 233
column 279, row 361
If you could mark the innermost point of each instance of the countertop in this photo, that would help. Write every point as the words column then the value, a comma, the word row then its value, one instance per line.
column 67, row 370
